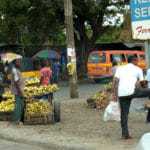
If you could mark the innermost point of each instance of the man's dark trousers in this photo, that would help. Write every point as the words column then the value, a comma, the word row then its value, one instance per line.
column 125, row 106
column 125, row 102
column 19, row 109
column 143, row 92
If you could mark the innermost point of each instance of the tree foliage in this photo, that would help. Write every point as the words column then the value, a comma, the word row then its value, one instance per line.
column 89, row 15
column 29, row 21
column 42, row 21
column 13, row 18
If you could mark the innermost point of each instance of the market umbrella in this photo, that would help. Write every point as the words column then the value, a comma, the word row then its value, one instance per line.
column 51, row 54
column 9, row 57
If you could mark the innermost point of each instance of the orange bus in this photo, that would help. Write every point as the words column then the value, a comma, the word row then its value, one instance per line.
column 99, row 63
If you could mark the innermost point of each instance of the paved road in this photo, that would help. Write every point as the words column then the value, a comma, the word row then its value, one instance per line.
column 85, row 90
column 9, row 145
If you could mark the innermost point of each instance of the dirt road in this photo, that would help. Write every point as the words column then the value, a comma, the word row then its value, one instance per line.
column 85, row 127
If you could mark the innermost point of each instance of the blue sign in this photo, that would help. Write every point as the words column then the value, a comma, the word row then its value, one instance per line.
column 140, row 10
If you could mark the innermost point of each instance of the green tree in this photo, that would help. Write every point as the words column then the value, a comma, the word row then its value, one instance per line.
column 89, row 16
column 42, row 21
column 30, row 21
column 13, row 19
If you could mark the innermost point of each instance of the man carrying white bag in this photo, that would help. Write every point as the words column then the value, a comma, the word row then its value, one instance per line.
column 112, row 112
column 125, row 88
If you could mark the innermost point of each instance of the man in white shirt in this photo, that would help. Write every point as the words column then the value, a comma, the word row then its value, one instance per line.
column 124, row 85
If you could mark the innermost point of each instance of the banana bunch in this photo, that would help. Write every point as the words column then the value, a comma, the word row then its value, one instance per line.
column 38, row 107
column 71, row 68
column 108, row 87
column 7, row 106
column 32, row 81
column 101, row 99
column 8, row 95
column 39, row 90
column 96, row 96
column 53, row 87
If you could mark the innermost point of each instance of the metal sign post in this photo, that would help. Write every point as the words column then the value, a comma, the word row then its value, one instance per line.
column 147, row 52
column 140, row 17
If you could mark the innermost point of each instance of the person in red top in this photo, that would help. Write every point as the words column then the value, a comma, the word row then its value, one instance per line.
column 45, row 73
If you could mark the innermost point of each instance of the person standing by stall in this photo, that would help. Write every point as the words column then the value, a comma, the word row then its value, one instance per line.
column 56, row 71
column 17, row 86
column 46, row 78
column 3, row 83
column 45, row 73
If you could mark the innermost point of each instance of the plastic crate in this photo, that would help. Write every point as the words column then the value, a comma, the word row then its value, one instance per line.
column 38, row 119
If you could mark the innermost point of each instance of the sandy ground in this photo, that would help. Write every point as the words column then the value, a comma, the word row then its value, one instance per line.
column 83, row 128
column 80, row 123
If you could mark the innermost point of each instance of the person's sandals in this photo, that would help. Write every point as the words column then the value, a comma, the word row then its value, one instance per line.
column 126, row 137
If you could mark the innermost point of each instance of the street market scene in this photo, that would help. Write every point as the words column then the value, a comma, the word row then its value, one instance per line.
column 75, row 74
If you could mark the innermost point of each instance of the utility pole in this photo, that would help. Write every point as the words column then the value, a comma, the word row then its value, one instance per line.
column 71, row 54
column 147, row 53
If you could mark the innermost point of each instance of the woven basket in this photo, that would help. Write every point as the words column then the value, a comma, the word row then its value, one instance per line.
column 38, row 119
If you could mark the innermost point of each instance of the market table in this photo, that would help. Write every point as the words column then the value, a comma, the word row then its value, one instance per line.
column 37, row 110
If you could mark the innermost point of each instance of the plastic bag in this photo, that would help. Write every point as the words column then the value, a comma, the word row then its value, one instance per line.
column 112, row 112
column 144, row 143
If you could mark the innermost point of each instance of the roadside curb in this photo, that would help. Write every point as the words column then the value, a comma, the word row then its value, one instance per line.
column 29, row 142
column 44, row 142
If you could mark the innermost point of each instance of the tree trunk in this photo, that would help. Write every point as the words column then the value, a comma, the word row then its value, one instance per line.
column 85, row 45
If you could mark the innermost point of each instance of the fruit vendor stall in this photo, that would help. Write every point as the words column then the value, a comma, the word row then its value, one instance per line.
column 39, row 108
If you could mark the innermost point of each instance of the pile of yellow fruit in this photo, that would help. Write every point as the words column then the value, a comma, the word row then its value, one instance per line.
column 7, row 106
column 8, row 95
column 108, row 87
column 33, row 91
column 39, row 90
column 38, row 107
column 101, row 99
column 32, row 81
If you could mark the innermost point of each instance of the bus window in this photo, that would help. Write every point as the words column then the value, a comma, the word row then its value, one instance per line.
column 128, row 55
column 96, row 58
column 142, row 57
column 118, row 58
